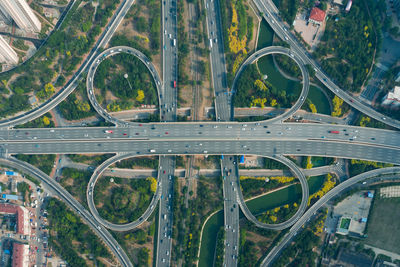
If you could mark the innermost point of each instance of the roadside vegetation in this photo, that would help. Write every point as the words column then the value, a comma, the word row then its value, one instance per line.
column 237, row 27
column 145, row 16
column 75, row 182
column 253, row 186
column 254, row 243
column 278, row 214
column 57, row 60
column 77, row 106
column 42, row 162
column 253, row 91
column 138, row 162
column 94, row 160
column 360, row 166
column 45, row 121
column 84, row 247
column 351, row 42
column 120, row 200
column 303, row 251
column 136, row 89
column 138, row 243
column 186, row 229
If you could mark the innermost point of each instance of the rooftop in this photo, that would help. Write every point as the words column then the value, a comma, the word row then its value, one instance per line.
column 317, row 14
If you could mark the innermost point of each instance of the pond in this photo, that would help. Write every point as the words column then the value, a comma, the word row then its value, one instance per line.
column 284, row 196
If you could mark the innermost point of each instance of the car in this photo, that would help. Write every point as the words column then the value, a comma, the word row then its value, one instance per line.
column 124, row 134
column 140, row 124
column 164, row 172
column 136, row 133
column 166, row 132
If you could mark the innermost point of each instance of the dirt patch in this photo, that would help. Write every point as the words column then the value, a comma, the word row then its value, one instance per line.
column 127, row 29
column 202, row 163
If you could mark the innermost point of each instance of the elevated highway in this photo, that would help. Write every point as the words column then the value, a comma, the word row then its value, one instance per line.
column 92, row 71
column 63, row 194
column 321, row 202
column 271, row 14
column 282, row 51
column 92, row 207
column 70, row 86
column 302, row 207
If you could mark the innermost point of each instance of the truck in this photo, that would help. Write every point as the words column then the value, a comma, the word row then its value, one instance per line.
column 152, row 150
column 174, row 42
column 334, row 132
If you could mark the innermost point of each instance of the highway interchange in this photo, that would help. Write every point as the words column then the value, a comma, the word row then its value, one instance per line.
column 268, row 138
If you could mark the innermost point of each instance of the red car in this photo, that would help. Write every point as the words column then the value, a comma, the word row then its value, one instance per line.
column 140, row 125
column 166, row 132
column 164, row 171
column 124, row 134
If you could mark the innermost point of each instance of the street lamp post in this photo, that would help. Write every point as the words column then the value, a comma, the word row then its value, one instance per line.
column 126, row 77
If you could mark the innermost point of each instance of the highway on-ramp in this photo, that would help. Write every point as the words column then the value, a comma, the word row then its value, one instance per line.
column 63, row 194
column 322, row 201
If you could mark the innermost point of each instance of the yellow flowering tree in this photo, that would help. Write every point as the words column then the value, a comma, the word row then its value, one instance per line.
column 153, row 183
column 140, row 95
column 337, row 106
column 313, row 108
column 46, row 120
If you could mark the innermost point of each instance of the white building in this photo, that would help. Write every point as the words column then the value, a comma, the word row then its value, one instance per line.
column 21, row 13
column 392, row 98
column 7, row 54
column 397, row 79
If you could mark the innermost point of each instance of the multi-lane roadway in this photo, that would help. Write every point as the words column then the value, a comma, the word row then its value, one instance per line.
column 72, row 203
column 70, row 86
column 322, row 201
column 271, row 14
column 92, row 71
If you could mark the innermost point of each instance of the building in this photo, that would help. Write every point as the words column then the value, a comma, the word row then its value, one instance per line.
column 20, row 256
column 21, row 14
column 348, row 6
column 392, row 99
column 23, row 226
column 7, row 54
column 338, row 2
column 397, row 79
column 317, row 16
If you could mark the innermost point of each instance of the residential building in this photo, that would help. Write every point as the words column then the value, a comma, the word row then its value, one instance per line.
column 317, row 16
column 23, row 226
column 21, row 13
column 7, row 54
column 392, row 98
column 20, row 257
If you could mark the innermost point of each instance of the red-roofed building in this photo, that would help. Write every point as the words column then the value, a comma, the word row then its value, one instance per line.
column 317, row 16
column 22, row 213
column 20, row 256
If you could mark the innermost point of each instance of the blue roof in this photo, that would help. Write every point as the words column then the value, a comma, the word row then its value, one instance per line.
column 12, row 197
